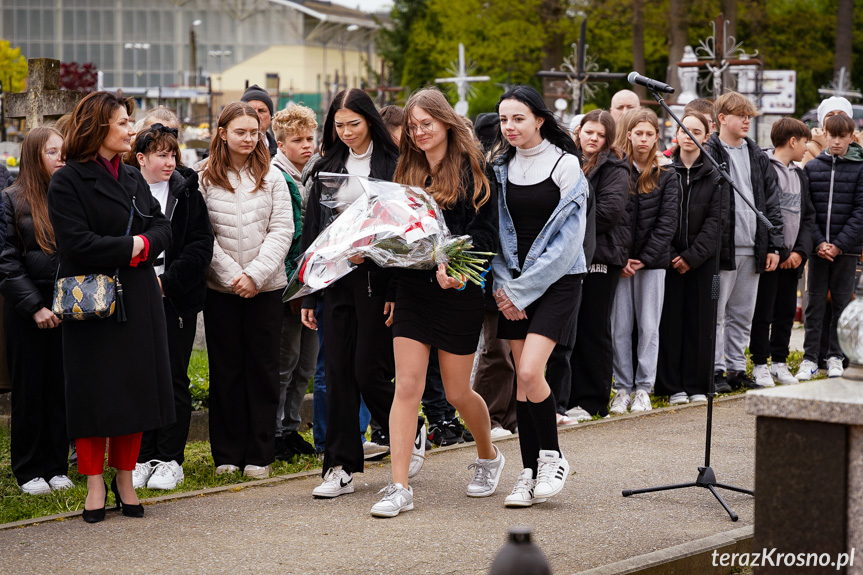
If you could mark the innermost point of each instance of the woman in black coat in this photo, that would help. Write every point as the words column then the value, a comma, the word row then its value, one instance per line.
column 608, row 174
column 181, row 271
column 685, row 350
column 28, row 264
column 118, row 380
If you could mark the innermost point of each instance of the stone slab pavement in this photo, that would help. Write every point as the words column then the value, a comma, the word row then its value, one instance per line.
column 277, row 527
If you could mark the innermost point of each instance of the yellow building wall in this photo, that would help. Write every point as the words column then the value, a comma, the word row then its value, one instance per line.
column 300, row 68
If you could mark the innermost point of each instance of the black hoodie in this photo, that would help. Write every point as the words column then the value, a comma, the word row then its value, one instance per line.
column 609, row 184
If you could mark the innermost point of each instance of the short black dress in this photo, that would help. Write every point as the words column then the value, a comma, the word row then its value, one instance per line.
column 554, row 314
column 448, row 319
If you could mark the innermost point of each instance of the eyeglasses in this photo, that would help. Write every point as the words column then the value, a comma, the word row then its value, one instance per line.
column 743, row 117
column 427, row 127
column 52, row 153
column 244, row 134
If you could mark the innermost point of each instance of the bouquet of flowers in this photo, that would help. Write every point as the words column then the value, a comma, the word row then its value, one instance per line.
column 392, row 224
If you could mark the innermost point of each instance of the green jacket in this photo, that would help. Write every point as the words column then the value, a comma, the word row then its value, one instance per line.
column 296, row 203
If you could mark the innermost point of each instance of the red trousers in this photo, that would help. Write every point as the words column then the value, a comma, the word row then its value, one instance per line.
column 122, row 453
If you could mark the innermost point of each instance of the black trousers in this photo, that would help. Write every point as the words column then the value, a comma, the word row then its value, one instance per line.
column 685, row 361
column 435, row 406
column 773, row 319
column 358, row 359
column 591, row 358
column 40, row 445
column 169, row 443
column 243, row 337
column 837, row 278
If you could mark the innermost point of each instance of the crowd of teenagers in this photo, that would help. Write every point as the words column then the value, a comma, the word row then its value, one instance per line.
column 606, row 249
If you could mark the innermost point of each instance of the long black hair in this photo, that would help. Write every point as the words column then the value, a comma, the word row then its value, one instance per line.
column 550, row 129
column 334, row 152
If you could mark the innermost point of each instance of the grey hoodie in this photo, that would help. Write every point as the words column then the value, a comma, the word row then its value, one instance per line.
column 789, row 199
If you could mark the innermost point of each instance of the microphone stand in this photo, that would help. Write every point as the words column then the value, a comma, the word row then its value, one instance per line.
column 706, row 477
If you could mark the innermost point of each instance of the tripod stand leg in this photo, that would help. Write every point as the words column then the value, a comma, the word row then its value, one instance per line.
column 628, row 492
column 737, row 489
column 722, row 502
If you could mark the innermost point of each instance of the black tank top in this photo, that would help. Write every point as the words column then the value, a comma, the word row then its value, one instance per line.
column 530, row 208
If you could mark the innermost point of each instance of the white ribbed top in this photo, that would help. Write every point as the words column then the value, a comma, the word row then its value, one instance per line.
column 533, row 165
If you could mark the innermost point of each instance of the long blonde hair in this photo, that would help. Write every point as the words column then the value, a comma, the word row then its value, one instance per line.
column 413, row 168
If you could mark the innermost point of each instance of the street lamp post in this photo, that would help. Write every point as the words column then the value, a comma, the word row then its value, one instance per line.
column 134, row 48
column 193, row 54
column 218, row 54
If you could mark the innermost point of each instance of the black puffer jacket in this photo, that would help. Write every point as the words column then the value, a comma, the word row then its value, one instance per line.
column 836, row 187
column 6, row 179
column 26, row 272
column 765, row 190
column 698, row 212
column 191, row 249
column 609, row 184
column 653, row 219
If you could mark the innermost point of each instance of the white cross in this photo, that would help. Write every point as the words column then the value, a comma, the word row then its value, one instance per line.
column 462, row 82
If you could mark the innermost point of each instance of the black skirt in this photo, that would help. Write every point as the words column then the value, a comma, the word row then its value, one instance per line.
column 553, row 315
column 447, row 319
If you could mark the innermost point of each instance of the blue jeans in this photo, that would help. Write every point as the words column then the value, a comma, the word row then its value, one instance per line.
column 319, row 391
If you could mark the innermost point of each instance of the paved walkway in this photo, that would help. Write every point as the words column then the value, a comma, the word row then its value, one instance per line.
column 277, row 527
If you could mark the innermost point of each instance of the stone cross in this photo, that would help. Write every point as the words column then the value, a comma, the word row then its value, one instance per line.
column 44, row 100
column 462, row 82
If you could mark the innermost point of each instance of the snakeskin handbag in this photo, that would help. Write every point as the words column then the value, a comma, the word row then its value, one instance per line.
column 92, row 296
column 85, row 297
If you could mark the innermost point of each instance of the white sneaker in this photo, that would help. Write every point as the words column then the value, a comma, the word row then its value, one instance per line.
column 166, row 475
column 372, row 449
column 486, row 475
column 761, row 375
column 620, row 403
column 697, row 398
column 522, row 494
column 807, row 370
column 418, row 456
column 397, row 498
column 579, row 414
column 640, row 402
column 143, row 471
column 679, row 398
column 60, row 482
column 257, row 471
column 336, row 482
column 781, row 375
column 498, row 432
column 834, row 367
column 36, row 486
column 551, row 473
column 563, row 420
column 227, row 468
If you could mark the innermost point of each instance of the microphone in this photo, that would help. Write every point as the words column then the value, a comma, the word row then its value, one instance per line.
column 655, row 85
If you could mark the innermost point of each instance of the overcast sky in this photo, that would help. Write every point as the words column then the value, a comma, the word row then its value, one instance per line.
column 366, row 5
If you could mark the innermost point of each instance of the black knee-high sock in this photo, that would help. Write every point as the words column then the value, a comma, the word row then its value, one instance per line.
column 544, row 418
column 528, row 439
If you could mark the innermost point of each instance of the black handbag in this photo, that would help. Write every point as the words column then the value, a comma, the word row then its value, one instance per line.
column 92, row 296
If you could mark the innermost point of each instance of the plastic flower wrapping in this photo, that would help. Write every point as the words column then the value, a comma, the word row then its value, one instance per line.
column 394, row 225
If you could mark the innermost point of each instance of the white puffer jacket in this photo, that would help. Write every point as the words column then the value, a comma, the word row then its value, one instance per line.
column 253, row 230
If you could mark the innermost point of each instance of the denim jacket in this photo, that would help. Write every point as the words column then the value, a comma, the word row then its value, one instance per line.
column 557, row 251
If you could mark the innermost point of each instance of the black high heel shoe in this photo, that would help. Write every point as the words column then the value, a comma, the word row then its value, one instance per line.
column 96, row 515
column 128, row 510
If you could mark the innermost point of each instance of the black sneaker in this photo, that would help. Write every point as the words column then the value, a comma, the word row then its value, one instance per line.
column 296, row 442
column 441, row 435
column 283, row 450
column 740, row 379
column 721, row 383
column 379, row 437
column 460, row 430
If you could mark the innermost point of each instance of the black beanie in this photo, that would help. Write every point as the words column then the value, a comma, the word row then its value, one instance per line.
column 487, row 128
column 255, row 92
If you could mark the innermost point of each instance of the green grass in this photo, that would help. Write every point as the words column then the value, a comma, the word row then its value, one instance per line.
column 198, row 468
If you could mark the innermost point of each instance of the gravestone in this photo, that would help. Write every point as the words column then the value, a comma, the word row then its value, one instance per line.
column 43, row 101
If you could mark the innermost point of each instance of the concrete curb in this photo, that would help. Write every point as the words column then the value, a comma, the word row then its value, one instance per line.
column 687, row 558
column 316, row 472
